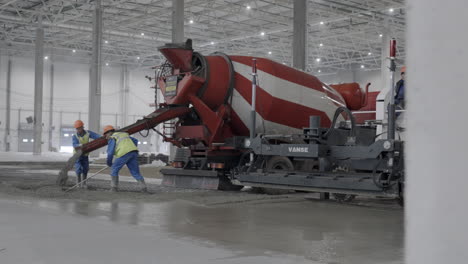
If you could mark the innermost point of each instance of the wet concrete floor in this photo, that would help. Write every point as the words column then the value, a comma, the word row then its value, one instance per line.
column 188, row 226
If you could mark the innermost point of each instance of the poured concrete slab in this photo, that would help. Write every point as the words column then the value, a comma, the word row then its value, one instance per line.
column 188, row 226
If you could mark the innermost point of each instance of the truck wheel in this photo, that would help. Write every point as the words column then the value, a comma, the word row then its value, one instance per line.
column 344, row 198
column 278, row 163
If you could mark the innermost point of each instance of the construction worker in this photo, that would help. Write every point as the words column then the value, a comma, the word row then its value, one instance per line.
column 124, row 149
column 82, row 164
column 400, row 89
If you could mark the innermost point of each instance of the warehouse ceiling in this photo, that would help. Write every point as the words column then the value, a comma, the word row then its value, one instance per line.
column 342, row 35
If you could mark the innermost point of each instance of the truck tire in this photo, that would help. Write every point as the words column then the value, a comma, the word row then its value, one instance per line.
column 277, row 163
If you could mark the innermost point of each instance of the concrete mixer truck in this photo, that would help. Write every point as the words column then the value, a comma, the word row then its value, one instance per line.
column 248, row 121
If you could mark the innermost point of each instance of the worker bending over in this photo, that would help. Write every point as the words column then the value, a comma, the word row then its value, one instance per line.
column 124, row 149
column 82, row 164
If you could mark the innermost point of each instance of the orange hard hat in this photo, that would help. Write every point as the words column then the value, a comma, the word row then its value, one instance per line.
column 108, row 128
column 403, row 69
column 78, row 123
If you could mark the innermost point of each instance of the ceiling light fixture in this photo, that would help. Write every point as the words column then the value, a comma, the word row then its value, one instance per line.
column 191, row 21
column 248, row 7
column 317, row 59
column 262, row 33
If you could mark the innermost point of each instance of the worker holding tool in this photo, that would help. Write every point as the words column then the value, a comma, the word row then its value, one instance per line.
column 400, row 89
column 82, row 164
column 124, row 149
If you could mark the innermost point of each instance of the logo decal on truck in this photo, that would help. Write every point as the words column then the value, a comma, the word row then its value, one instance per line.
column 298, row 149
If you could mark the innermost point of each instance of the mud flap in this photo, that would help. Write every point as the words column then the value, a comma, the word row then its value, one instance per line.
column 190, row 179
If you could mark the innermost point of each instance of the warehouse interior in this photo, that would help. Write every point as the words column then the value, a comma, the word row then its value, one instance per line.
column 262, row 131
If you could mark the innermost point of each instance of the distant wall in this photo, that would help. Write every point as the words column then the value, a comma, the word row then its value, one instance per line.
column 71, row 82
column 360, row 76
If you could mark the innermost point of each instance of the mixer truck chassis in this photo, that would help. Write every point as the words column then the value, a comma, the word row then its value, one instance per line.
column 329, row 162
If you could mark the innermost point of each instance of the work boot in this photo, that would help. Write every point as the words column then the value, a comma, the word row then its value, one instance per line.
column 142, row 185
column 84, row 185
column 78, row 179
column 114, row 184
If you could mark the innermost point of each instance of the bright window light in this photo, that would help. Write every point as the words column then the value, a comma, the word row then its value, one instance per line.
column 145, row 142
column 66, row 149
column 66, row 135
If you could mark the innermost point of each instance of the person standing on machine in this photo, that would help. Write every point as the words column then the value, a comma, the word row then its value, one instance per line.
column 400, row 90
column 82, row 164
column 124, row 148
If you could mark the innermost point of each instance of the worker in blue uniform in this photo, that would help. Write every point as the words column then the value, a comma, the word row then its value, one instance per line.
column 400, row 90
column 124, row 149
column 81, row 137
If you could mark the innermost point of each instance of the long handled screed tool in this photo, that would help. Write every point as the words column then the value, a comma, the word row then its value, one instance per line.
column 74, row 186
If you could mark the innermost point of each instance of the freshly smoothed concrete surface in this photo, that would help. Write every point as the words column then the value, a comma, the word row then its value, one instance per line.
column 41, row 224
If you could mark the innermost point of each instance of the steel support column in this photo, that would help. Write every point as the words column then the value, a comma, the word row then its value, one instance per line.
column 124, row 89
column 94, row 113
column 177, row 21
column 8, row 107
column 177, row 37
column 38, row 88
column 51, row 104
column 300, row 34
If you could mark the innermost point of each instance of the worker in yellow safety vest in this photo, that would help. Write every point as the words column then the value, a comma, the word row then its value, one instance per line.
column 82, row 137
column 123, row 148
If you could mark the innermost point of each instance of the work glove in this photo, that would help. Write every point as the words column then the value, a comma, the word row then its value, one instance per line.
column 109, row 161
